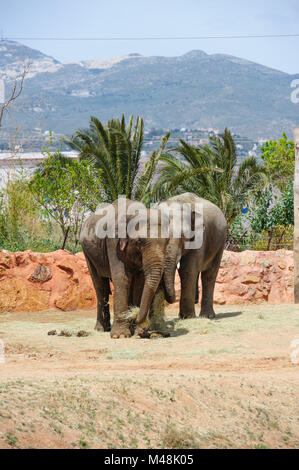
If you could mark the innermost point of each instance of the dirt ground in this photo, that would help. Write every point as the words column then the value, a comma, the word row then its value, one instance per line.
column 228, row 383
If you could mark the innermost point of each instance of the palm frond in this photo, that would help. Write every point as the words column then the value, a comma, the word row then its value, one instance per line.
column 145, row 179
column 210, row 171
column 116, row 149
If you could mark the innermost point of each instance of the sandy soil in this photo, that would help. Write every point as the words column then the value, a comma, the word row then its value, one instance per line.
column 229, row 383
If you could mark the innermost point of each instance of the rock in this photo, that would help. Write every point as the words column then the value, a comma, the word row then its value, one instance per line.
column 6, row 259
column 247, row 258
column 251, row 292
column 75, row 299
column 290, row 282
column 65, row 333
column 235, row 274
column 219, row 300
column 82, row 334
column 251, row 279
column 22, row 258
column 281, row 265
column 66, row 267
column 2, row 270
column 38, row 257
column 265, row 262
column 222, row 277
column 52, row 333
column 17, row 295
column 41, row 274
column 226, row 260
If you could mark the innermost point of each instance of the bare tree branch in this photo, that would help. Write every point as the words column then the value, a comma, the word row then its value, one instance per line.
column 16, row 91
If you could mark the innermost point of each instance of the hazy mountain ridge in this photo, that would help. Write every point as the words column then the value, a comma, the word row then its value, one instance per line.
column 193, row 90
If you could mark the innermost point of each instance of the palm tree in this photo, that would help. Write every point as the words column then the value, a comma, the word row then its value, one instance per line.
column 116, row 150
column 211, row 171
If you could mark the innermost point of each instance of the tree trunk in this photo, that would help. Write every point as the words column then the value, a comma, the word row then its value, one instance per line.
column 296, row 217
column 65, row 238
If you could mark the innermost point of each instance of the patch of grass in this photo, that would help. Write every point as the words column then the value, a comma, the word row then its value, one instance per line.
column 217, row 439
column 55, row 428
column 204, row 352
column 260, row 446
column 11, row 439
column 83, row 444
column 126, row 355
column 172, row 438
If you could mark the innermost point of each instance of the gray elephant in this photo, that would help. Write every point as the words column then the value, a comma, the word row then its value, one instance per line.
column 136, row 266
column 205, row 260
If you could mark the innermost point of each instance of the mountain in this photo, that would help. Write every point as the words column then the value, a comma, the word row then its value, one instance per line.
column 13, row 57
column 194, row 90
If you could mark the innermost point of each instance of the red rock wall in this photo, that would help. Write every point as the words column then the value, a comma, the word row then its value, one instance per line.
column 255, row 277
column 37, row 281
column 64, row 283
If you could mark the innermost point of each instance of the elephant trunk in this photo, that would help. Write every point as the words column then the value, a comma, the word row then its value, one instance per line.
column 169, row 272
column 153, row 270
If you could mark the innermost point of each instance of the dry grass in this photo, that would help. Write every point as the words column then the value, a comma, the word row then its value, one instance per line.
column 223, row 384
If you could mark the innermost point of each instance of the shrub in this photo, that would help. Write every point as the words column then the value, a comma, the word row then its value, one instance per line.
column 277, row 238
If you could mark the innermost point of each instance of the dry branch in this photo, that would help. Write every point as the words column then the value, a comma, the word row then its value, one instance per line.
column 16, row 91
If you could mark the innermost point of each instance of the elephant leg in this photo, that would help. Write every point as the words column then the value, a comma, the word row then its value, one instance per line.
column 102, row 289
column 196, row 290
column 121, row 324
column 106, row 313
column 157, row 311
column 122, row 290
column 188, row 275
column 138, row 285
column 208, row 279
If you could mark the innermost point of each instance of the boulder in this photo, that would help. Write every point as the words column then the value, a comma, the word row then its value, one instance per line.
column 17, row 295
column 41, row 273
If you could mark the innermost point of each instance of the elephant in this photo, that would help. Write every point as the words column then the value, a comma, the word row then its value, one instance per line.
column 136, row 266
column 205, row 260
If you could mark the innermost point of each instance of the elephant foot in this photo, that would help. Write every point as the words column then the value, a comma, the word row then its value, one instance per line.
column 100, row 327
column 208, row 314
column 120, row 331
column 187, row 316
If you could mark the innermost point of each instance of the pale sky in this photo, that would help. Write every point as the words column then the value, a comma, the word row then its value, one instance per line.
column 131, row 18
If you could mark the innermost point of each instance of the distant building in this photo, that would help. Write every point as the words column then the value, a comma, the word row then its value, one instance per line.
column 12, row 162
